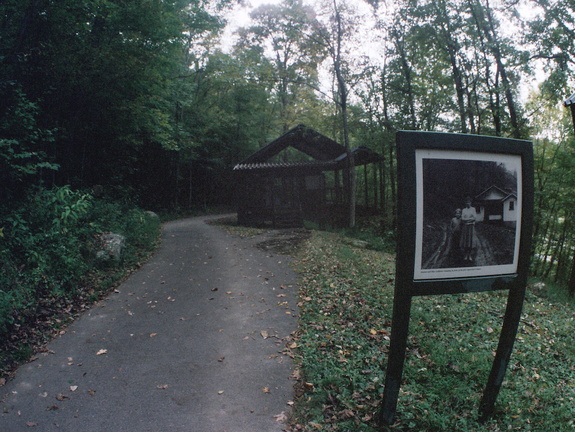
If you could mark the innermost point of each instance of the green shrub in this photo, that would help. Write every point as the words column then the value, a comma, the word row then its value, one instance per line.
column 48, row 247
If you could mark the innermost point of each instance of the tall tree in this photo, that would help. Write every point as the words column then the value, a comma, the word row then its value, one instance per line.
column 335, row 34
column 552, row 34
column 281, row 32
column 101, row 75
column 501, row 52
column 447, row 26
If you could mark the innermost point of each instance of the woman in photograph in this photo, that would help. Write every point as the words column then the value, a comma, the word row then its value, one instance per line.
column 455, row 234
column 467, row 230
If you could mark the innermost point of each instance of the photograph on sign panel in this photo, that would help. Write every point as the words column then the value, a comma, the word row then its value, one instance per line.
column 468, row 214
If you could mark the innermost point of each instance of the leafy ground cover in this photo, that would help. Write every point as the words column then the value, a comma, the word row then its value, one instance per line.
column 346, row 297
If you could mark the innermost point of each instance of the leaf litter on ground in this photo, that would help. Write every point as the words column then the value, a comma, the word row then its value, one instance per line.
column 346, row 299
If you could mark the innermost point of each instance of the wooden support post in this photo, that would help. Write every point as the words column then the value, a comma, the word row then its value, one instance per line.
column 365, row 186
column 504, row 349
column 375, row 187
column 396, row 359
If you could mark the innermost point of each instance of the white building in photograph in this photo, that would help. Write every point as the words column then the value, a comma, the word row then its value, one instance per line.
column 496, row 205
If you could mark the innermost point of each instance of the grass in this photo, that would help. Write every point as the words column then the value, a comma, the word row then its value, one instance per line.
column 346, row 297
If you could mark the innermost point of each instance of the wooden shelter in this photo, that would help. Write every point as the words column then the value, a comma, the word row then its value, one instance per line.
column 295, row 177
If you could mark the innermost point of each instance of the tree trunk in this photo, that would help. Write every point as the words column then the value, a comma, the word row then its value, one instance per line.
column 572, row 280
column 486, row 27
column 342, row 93
column 452, row 50
column 407, row 75
column 559, row 249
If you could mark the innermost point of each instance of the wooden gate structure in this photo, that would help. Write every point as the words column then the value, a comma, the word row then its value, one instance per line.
column 295, row 177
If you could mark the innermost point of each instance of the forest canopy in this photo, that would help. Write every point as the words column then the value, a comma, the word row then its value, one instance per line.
column 154, row 101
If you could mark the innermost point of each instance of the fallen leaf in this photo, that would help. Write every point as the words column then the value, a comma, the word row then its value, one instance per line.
column 214, row 289
column 102, row 351
column 162, row 386
column 153, row 335
column 31, row 424
column 281, row 417
column 91, row 392
column 266, row 390
column 73, row 388
column 220, row 392
column 264, row 334
column 61, row 397
column 373, row 331
column 346, row 414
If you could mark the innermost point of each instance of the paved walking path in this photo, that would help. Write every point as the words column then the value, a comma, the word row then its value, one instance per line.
column 194, row 341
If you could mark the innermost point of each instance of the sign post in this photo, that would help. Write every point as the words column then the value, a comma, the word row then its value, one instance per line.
column 458, row 192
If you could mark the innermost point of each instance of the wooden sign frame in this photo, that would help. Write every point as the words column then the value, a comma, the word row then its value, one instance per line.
column 425, row 159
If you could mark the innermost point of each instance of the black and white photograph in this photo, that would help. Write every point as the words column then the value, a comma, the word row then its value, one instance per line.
column 468, row 214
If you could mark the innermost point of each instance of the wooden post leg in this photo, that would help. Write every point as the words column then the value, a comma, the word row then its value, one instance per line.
column 398, row 344
column 506, row 340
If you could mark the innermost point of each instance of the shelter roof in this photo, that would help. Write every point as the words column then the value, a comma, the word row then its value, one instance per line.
column 302, row 138
column 327, row 154
column 570, row 101
column 288, row 167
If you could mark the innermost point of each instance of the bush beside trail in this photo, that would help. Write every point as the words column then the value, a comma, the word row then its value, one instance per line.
column 49, row 270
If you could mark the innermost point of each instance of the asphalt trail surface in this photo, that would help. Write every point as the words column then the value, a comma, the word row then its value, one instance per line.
column 194, row 341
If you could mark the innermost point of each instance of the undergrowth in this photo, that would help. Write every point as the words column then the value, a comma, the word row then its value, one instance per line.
column 346, row 298
column 49, row 268
column 368, row 229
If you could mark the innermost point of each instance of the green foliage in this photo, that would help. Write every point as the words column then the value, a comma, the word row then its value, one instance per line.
column 554, row 182
column 19, row 135
column 48, row 248
column 94, row 84
column 345, row 308
column 47, row 235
